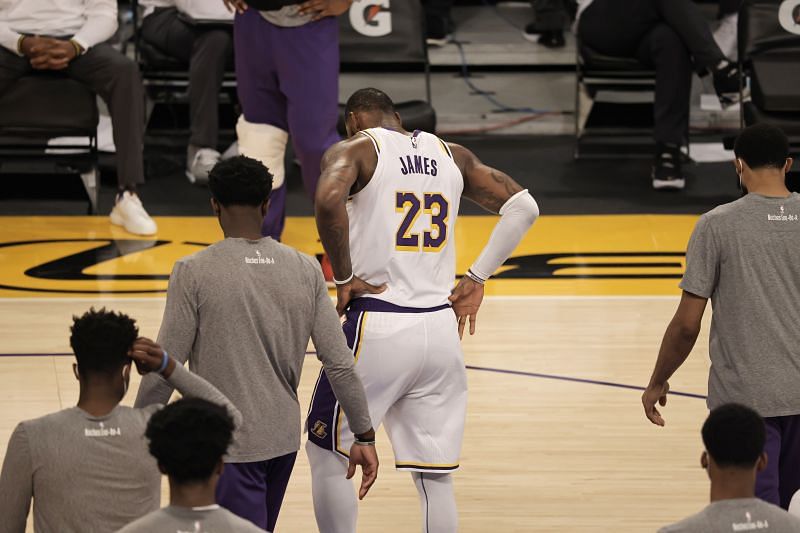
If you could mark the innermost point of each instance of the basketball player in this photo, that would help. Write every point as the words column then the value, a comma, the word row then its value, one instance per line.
column 733, row 436
column 87, row 467
column 287, row 72
column 743, row 255
column 188, row 439
column 386, row 209
column 241, row 312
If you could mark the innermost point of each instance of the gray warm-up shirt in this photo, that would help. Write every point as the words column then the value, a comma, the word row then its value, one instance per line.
column 213, row 519
column 744, row 256
column 241, row 312
column 86, row 473
column 743, row 514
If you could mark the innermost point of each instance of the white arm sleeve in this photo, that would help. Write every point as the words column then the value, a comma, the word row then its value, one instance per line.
column 516, row 216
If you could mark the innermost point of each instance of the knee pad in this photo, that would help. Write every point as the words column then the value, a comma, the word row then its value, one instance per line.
column 265, row 143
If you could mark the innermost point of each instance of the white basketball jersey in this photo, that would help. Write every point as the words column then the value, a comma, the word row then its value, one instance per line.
column 402, row 223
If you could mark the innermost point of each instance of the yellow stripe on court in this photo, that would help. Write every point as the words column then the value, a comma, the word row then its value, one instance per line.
column 561, row 255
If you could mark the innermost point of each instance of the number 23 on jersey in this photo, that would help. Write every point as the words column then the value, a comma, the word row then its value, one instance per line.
column 434, row 238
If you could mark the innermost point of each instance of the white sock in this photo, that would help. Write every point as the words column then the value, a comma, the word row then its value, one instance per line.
column 335, row 504
column 439, row 513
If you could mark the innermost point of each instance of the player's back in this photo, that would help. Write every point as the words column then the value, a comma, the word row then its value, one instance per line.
column 402, row 222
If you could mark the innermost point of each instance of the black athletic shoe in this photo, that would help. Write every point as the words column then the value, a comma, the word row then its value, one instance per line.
column 532, row 32
column 726, row 83
column 667, row 173
column 548, row 38
column 439, row 31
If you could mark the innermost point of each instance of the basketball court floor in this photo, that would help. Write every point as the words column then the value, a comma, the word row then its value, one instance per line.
column 556, row 439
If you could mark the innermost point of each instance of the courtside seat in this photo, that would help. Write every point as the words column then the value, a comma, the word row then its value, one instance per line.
column 600, row 64
column 166, row 82
column 48, row 102
column 154, row 62
column 42, row 106
column 153, row 59
column 769, row 52
column 775, row 79
column 788, row 122
column 620, row 91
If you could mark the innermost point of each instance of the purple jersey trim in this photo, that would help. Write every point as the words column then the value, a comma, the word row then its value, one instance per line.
column 374, row 305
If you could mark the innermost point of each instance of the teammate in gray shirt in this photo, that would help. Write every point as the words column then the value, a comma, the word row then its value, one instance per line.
column 744, row 256
column 188, row 438
column 734, row 436
column 242, row 312
column 87, row 467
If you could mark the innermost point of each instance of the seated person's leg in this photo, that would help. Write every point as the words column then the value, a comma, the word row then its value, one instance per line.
column 685, row 17
column 664, row 49
column 116, row 79
column 211, row 51
column 167, row 32
column 206, row 52
column 438, row 22
column 616, row 27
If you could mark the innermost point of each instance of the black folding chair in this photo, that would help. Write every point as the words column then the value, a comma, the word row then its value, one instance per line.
column 621, row 89
column 40, row 107
column 769, row 53
column 166, row 81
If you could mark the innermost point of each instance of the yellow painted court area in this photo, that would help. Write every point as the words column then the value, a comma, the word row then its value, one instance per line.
column 561, row 255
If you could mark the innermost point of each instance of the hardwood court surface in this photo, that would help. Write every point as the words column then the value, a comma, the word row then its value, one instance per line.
column 554, row 440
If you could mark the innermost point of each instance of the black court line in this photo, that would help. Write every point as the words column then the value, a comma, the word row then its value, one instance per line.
column 470, row 367
column 34, row 354
column 578, row 380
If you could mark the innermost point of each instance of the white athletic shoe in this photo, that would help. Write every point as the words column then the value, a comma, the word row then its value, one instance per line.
column 201, row 164
column 129, row 213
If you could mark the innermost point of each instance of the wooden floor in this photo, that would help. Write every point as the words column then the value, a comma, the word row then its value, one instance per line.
column 555, row 440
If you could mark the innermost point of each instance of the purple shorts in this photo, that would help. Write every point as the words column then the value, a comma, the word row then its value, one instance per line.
column 254, row 491
column 781, row 479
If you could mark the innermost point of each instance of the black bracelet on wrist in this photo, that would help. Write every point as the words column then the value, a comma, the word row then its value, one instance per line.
column 474, row 277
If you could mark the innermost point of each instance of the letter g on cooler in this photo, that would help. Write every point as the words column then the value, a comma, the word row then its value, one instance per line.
column 371, row 17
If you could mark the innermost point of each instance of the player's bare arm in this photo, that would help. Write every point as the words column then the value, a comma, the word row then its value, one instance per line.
column 678, row 342
column 492, row 189
column 486, row 186
column 345, row 170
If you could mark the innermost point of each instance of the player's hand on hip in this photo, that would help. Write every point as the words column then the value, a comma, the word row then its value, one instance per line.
column 147, row 355
column 235, row 6
column 466, row 299
column 655, row 393
column 319, row 9
column 367, row 457
column 353, row 289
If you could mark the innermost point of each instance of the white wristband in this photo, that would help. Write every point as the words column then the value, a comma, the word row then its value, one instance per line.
column 345, row 282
